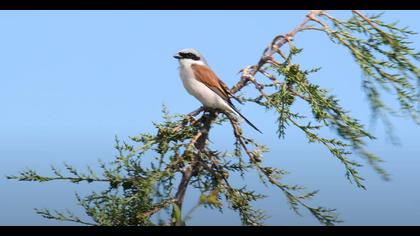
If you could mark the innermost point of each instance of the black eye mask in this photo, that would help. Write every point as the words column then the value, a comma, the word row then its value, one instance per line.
column 189, row 56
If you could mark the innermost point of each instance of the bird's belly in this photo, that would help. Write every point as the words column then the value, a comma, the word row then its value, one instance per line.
column 201, row 92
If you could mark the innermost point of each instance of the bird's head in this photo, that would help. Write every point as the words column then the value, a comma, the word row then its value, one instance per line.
column 189, row 56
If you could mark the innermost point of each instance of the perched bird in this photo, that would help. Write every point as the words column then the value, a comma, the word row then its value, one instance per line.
column 201, row 82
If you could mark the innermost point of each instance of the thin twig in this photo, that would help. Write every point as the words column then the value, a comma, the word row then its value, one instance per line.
column 160, row 206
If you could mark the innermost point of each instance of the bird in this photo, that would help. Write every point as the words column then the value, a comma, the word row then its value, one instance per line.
column 201, row 82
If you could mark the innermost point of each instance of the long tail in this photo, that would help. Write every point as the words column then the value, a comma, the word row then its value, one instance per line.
column 247, row 121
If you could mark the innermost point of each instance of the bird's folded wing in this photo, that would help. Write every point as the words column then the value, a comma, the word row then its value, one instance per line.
column 206, row 76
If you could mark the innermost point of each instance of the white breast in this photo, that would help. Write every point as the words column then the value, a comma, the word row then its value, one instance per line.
column 200, row 91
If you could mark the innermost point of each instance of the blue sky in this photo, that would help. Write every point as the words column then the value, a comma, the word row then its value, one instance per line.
column 72, row 80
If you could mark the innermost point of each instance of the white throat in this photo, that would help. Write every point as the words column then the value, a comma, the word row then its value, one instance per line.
column 188, row 62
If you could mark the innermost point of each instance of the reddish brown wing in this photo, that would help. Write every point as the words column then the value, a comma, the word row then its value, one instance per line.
column 206, row 76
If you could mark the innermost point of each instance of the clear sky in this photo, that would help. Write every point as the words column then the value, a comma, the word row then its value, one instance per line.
column 71, row 80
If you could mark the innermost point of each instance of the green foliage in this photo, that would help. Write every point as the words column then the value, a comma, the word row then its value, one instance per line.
column 136, row 192
column 147, row 180
column 326, row 112
column 384, row 54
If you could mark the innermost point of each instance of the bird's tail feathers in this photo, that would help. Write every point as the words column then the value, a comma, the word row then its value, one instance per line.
column 243, row 117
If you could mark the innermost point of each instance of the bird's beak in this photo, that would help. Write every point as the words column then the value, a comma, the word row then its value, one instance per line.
column 177, row 56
